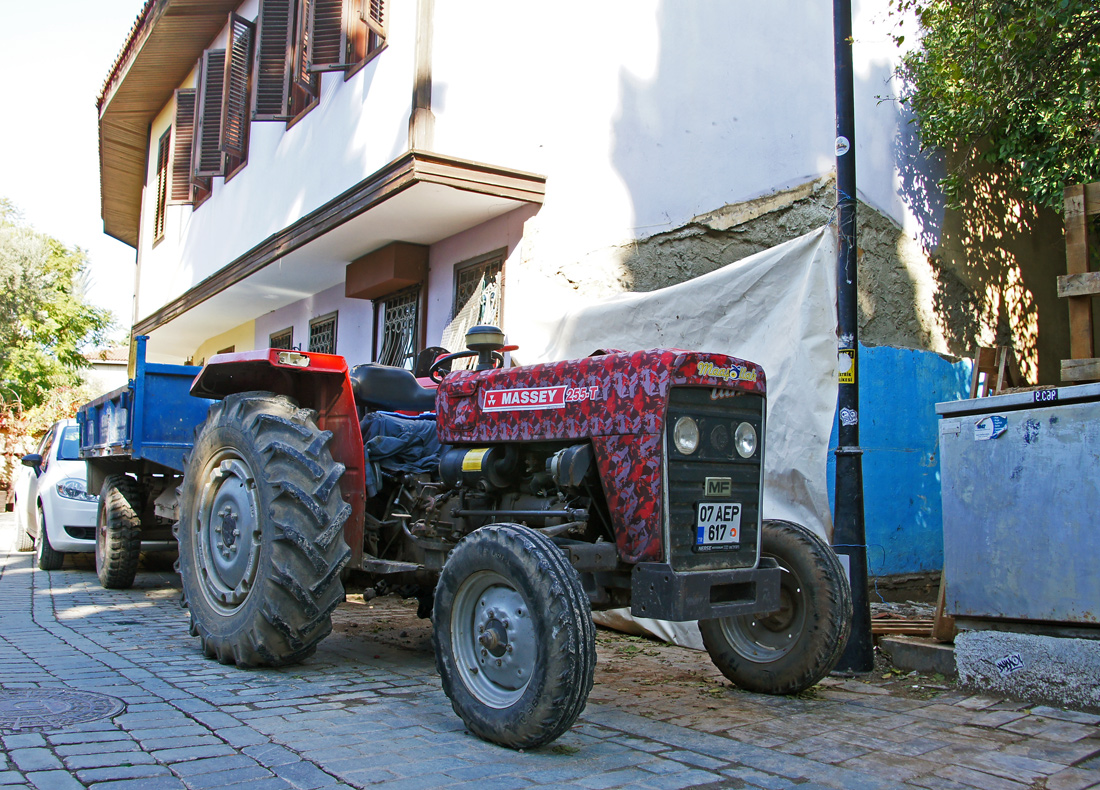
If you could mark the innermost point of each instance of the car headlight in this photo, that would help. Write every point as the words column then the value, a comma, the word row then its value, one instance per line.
column 685, row 435
column 75, row 489
column 744, row 439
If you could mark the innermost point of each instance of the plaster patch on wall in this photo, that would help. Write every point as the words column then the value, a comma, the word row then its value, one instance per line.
column 896, row 278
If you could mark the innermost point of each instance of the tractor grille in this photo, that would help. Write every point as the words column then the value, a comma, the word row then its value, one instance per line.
column 716, row 458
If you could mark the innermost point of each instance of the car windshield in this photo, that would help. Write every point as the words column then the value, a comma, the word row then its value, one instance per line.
column 69, row 449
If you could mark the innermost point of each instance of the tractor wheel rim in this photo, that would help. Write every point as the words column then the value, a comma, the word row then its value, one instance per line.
column 493, row 637
column 764, row 639
column 227, row 531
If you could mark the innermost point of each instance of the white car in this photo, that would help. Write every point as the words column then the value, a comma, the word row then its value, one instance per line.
column 54, row 513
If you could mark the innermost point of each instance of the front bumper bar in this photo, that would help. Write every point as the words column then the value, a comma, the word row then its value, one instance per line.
column 659, row 592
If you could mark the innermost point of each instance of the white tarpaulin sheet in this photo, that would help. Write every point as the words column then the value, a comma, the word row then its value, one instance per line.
column 776, row 308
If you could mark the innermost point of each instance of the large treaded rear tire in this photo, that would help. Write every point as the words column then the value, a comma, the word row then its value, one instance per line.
column 513, row 635
column 118, row 532
column 261, row 532
column 787, row 651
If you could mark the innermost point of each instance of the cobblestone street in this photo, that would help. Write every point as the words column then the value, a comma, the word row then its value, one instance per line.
column 368, row 709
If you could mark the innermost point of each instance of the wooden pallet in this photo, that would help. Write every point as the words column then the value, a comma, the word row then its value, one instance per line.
column 891, row 625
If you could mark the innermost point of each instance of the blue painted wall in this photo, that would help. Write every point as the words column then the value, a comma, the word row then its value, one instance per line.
column 899, row 390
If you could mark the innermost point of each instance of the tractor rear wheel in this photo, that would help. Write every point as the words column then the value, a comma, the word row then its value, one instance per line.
column 118, row 532
column 787, row 651
column 261, row 532
column 513, row 635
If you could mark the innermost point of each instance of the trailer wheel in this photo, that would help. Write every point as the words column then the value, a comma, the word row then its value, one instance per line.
column 261, row 532
column 513, row 635
column 47, row 557
column 788, row 651
column 118, row 532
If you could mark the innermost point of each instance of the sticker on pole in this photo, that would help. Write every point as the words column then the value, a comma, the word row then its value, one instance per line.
column 989, row 428
column 846, row 365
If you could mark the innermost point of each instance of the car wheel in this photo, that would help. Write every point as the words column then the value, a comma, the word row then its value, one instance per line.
column 118, row 532
column 513, row 635
column 48, row 558
column 787, row 651
column 23, row 539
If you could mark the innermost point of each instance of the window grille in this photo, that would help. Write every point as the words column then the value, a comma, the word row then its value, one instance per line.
column 400, row 327
column 283, row 339
column 322, row 334
column 484, row 282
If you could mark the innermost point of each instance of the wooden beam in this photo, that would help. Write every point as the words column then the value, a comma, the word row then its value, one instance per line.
column 1079, row 370
column 1087, row 284
column 1077, row 262
column 1092, row 198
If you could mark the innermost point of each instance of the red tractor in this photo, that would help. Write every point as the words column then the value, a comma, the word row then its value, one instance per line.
column 511, row 501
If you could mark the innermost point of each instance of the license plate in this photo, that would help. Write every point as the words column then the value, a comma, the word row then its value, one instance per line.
column 717, row 524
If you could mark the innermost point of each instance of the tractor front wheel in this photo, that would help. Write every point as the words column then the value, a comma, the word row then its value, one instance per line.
column 261, row 532
column 787, row 651
column 513, row 635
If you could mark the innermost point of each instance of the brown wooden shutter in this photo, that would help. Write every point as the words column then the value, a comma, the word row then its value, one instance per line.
column 328, row 40
column 274, row 49
column 238, row 60
column 183, row 135
column 164, row 148
column 303, row 77
column 207, row 157
column 372, row 12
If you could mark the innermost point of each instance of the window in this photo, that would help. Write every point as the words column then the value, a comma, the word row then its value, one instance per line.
column 479, row 289
column 284, row 88
column 182, row 140
column 163, row 150
column 299, row 38
column 220, row 127
column 322, row 334
column 283, row 339
column 69, row 449
column 400, row 330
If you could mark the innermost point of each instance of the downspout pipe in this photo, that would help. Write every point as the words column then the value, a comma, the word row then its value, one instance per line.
column 849, row 531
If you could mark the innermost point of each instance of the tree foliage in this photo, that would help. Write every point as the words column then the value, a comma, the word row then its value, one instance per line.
column 1015, row 82
column 45, row 319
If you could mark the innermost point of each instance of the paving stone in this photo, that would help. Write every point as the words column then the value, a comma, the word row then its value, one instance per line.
column 54, row 780
column 114, row 772
column 34, row 759
column 1073, row 779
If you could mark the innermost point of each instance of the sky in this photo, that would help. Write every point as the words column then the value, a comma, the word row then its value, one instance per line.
column 60, row 53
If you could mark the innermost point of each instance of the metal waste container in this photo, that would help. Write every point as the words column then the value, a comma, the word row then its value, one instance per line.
column 1020, row 476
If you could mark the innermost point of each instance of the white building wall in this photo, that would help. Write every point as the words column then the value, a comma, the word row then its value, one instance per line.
column 357, row 127
column 353, row 324
column 642, row 114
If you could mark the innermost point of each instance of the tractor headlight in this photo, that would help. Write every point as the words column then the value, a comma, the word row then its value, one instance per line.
column 685, row 435
column 744, row 439
column 74, row 488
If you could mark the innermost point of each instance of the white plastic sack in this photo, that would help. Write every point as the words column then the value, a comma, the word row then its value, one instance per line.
column 776, row 308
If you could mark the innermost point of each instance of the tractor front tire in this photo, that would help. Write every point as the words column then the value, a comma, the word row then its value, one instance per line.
column 261, row 532
column 513, row 635
column 118, row 532
column 787, row 651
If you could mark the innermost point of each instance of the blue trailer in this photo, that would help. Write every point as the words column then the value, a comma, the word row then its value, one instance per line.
column 135, row 441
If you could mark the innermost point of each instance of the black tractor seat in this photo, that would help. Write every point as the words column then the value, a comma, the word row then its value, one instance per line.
column 390, row 389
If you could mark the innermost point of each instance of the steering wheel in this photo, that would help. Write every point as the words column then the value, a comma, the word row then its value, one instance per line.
column 441, row 367
column 436, row 372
